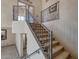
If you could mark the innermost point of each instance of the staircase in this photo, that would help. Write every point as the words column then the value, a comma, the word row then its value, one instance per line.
column 58, row 51
column 52, row 49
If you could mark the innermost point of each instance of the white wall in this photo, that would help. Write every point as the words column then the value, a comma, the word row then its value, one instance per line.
column 19, row 44
column 23, row 36
column 18, row 26
column 66, row 26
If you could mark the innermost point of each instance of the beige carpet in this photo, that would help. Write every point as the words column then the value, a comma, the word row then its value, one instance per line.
column 9, row 53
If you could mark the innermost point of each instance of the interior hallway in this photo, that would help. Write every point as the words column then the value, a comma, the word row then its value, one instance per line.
column 9, row 52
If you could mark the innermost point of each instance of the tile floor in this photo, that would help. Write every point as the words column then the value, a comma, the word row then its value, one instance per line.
column 9, row 53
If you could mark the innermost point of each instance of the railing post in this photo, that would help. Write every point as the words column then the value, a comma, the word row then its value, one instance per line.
column 50, row 45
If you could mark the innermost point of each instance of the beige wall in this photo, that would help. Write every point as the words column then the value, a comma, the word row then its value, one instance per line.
column 66, row 26
column 6, row 20
column 10, row 38
column 38, row 6
column 7, row 12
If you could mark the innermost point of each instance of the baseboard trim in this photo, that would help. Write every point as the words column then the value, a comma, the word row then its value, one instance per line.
column 8, row 45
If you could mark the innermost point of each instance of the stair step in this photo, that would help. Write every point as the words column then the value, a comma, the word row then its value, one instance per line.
column 38, row 28
column 43, row 38
column 55, row 43
column 57, row 50
column 46, row 44
column 53, row 38
column 63, row 55
column 43, row 41
column 40, row 31
column 36, row 24
column 42, row 34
